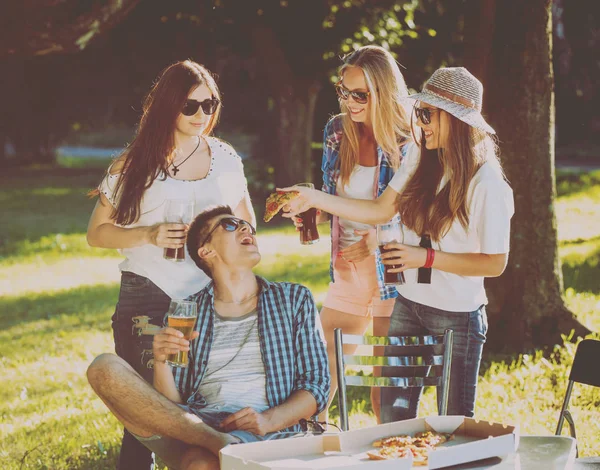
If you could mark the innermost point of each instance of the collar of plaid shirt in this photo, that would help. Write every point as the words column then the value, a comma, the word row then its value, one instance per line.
column 291, row 341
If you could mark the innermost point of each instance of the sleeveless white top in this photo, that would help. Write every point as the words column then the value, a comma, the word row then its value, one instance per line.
column 225, row 184
column 360, row 186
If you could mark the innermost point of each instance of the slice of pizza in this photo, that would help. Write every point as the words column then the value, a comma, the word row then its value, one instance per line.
column 388, row 453
column 276, row 201
column 432, row 438
column 420, row 456
column 393, row 441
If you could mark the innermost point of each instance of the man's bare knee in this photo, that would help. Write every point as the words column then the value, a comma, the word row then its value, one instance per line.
column 101, row 369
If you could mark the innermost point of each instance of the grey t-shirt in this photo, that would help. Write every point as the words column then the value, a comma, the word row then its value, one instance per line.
column 235, row 373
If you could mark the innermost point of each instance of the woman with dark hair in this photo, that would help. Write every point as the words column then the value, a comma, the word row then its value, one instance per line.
column 173, row 156
column 455, row 206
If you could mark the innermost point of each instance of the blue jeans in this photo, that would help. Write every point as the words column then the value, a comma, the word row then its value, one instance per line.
column 470, row 328
column 138, row 297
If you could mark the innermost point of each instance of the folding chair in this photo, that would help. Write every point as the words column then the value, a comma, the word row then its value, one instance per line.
column 419, row 360
column 584, row 370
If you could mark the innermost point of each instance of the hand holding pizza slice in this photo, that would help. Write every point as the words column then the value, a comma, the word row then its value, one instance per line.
column 276, row 201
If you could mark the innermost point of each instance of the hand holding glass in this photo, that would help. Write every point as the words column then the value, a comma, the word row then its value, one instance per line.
column 308, row 232
column 390, row 233
column 181, row 316
column 178, row 211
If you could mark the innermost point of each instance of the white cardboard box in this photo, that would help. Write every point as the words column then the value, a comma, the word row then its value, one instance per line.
column 474, row 440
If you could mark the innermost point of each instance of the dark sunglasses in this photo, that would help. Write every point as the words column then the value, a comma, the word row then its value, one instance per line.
column 209, row 106
column 229, row 224
column 424, row 114
column 424, row 274
column 361, row 97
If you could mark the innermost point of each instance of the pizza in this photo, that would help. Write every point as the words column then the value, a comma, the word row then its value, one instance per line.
column 276, row 201
column 396, row 447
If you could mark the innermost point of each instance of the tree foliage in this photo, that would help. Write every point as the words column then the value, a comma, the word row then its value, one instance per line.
column 41, row 27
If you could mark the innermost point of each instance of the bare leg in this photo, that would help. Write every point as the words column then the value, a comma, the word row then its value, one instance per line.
column 197, row 458
column 144, row 411
column 381, row 326
column 351, row 325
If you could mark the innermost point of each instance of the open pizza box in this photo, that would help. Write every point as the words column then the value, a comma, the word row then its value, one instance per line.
column 473, row 440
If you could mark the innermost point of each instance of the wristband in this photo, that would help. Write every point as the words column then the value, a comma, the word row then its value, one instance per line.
column 430, row 258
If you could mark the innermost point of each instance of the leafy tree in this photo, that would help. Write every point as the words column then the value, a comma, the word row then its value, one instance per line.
column 509, row 47
column 41, row 27
column 35, row 38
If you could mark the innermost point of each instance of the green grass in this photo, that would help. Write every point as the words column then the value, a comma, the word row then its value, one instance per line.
column 57, row 296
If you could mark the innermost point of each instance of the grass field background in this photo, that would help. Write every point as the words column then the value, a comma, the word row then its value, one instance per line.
column 57, row 296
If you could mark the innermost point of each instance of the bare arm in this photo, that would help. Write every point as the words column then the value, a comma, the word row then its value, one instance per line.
column 102, row 231
column 244, row 210
column 471, row 264
column 300, row 404
column 168, row 341
column 165, row 383
column 463, row 264
column 371, row 212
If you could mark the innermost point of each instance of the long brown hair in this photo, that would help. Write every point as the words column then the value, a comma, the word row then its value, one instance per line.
column 388, row 116
column 147, row 157
column 422, row 208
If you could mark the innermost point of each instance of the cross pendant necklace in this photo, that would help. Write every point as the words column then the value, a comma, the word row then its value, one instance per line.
column 175, row 168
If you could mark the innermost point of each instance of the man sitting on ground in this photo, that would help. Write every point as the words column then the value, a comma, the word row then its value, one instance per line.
column 257, row 358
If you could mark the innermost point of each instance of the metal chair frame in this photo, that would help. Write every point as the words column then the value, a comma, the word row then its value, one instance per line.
column 584, row 370
column 401, row 353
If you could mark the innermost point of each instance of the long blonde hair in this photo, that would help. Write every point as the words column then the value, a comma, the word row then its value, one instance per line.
column 388, row 116
column 422, row 208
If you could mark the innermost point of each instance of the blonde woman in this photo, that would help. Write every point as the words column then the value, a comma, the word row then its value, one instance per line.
column 362, row 148
column 456, row 206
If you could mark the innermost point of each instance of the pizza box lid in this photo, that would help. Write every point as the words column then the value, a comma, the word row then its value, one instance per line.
column 474, row 440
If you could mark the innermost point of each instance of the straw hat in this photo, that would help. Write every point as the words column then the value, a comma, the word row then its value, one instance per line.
column 457, row 91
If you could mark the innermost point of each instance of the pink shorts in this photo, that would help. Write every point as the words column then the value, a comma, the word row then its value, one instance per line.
column 355, row 289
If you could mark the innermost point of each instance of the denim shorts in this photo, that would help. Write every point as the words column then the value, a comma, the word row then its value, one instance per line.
column 172, row 450
column 140, row 301
column 470, row 329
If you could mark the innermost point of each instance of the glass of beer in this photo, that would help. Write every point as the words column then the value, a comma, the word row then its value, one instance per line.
column 182, row 316
column 178, row 211
column 390, row 233
column 308, row 232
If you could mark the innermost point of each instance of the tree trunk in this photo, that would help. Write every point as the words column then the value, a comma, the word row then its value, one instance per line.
column 293, row 163
column 526, row 304
column 295, row 100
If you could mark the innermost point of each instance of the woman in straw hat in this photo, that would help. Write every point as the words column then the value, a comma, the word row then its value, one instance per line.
column 362, row 148
column 455, row 206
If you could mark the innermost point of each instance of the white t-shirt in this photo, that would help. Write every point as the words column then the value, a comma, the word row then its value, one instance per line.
column 491, row 207
column 225, row 184
column 360, row 186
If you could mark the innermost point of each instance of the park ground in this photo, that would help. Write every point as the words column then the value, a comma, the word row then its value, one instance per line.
column 57, row 296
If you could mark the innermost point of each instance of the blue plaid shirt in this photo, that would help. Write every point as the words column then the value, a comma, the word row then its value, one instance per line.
column 292, row 346
column 332, row 138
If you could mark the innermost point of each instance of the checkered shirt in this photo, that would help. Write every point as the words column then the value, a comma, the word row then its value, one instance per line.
column 292, row 346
